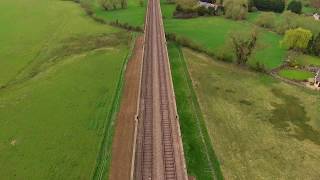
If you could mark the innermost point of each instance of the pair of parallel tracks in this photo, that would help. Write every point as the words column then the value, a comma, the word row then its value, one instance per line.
column 159, row 152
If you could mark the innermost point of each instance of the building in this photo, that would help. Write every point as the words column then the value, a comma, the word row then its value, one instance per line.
column 317, row 80
column 316, row 16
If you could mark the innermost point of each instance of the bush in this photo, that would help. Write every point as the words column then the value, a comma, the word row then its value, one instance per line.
column 291, row 20
column 270, row 5
column 314, row 46
column 236, row 9
column 266, row 20
column 87, row 6
column 288, row 21
column 297, row 39
column 295, row 7
column 225, row 54
column 260, row 67
column 242, row 44
column 202, row 11
column 187, row 4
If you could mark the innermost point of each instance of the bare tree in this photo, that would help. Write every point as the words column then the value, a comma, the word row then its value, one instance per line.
column 243, row 44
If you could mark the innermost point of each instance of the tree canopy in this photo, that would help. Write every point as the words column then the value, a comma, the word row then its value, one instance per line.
column 297, row 39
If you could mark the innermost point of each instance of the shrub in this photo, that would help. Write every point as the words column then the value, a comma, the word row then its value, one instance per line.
column 224, row 54
column 291, row 20
column 270, row 5
column 266, row 20
column 295, row 7
column 187, row 4
column 297, row 39
column 314, row 46
column 242, row 44
column 288, row 21
column 259, row 67
column 105, row 4
column 87, row 6
column 236, row 9
column 202, row 11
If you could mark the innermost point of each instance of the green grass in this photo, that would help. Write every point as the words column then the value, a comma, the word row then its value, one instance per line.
column 294, row 74
column 59, row 71
column 212, row 34
column 134, row 15
column 307, row 60
column 200, row 157
column 260, row 128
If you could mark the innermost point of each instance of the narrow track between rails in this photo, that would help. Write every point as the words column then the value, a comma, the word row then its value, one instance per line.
column 159, row 151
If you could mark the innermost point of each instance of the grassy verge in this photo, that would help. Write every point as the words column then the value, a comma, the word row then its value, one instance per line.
column 104, row 157
column 200, row 157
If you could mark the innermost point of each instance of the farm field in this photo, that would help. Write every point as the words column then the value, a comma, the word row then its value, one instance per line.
column 260, row 128
column 212, row 34
column 134, row 15
column 59, row 72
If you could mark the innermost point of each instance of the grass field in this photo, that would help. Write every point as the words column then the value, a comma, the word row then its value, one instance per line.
column 294, row 74
column 307, row 60
column 134, row 15
column 200, row 157
column 260, row 128
column 58, row 73
column 212, row 34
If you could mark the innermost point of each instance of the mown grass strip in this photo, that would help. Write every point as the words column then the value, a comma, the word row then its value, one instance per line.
column 103, row 159
column 202, row 162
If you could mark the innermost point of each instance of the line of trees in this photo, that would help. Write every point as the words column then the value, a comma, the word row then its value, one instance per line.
column 270, row 5
column 113, row 4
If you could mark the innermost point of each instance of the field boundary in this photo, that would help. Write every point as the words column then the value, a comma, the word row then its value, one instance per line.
column 104, row 155
column 211, row 156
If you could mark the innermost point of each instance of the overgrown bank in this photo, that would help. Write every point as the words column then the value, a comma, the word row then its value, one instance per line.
column 202, row 162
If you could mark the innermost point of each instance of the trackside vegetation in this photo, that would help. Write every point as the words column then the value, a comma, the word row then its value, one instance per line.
column 202, row 162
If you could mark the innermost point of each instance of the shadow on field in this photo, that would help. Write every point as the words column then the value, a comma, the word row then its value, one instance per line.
column 291, row 116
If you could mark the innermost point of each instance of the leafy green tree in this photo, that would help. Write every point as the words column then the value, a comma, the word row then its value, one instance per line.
column 243, row 44
column 295, row 7
column 266, row 20
column 315, row 45
column 297, row 39
column 270, row 5
column 236, row 9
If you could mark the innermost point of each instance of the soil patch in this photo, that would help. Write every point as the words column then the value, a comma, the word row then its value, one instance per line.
column 122, row 147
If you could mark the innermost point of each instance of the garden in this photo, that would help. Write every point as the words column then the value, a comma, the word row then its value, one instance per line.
column 256, row 34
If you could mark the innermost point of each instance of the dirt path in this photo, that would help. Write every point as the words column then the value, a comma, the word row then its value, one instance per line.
column 122, row 148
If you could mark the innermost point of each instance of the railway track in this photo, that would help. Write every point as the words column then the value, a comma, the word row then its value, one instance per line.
column 159, row 152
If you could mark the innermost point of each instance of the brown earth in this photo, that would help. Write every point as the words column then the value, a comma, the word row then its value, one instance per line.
column 122, row 148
